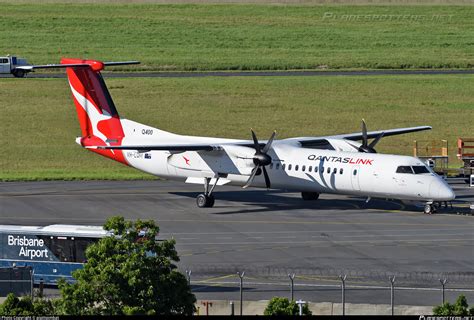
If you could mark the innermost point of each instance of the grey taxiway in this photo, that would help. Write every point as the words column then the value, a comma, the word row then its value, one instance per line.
column 270, row 234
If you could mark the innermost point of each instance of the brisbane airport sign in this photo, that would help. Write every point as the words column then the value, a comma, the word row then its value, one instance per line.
column 27, row 248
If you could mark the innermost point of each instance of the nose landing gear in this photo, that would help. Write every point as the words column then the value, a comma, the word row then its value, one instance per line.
column 429, row 208
column 432, row 207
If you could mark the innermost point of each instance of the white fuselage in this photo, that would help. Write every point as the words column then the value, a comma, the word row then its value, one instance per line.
column 293, row 167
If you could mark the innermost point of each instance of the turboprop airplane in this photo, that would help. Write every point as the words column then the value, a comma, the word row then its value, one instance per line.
column 336, row 164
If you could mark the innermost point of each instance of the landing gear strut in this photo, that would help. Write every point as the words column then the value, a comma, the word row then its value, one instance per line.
column 206, row 199
column 309, row 195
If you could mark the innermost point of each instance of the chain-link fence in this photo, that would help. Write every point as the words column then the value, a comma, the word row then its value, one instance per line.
column 341, row 286
column 17, row 280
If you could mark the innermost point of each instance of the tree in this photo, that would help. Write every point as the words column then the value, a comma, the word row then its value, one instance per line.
column 128, row 273
column 14, row 306
column 459, row 308
column 283, row 307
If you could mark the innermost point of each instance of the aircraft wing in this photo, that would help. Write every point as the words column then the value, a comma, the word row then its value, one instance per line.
column 180, row 146
column 304, row 141
column 358, row 135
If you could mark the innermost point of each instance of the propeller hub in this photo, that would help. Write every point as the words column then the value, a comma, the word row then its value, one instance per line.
column 367, row 149
column 262, row 159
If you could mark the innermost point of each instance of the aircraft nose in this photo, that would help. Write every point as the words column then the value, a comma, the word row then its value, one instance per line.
column 446, row 193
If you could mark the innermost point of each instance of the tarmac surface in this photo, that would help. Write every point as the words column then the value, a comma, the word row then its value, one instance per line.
column 269, row 234
column 250, row 73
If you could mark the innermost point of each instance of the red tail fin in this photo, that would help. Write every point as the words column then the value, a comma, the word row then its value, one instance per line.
column 98, row 117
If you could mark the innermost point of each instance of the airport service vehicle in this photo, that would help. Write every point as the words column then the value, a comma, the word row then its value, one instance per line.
column 11, row 64
column 53, row 251
column 466, row 155
column 337, row 164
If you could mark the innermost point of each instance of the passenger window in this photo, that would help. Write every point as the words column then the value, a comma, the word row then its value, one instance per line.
column 341, row 171
column 334, row 171
column 329, row 170
column 271, row 165
column 289, row 167
column 303, row 168
column 355, row 172
column 283, row 166
column 316, row 169
column 296, row 168
column 277, row 166
column 310, row 168
column 404, row 169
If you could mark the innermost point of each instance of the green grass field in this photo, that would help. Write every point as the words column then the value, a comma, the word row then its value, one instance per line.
column 241, row 36
column 39, row 122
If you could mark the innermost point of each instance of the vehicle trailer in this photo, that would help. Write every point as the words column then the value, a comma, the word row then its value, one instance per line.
column 10, row 64
column 466, row 155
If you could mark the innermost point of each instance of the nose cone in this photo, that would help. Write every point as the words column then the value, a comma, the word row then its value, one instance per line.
column 446, row 193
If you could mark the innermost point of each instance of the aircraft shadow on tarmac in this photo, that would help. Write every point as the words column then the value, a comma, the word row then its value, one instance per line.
column 260, row 201
column 215, row 288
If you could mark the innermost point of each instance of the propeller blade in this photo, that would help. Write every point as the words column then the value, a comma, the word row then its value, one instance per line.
column 364, row 133
column 255, row 142
column 252, row 176
column 267, row 179
column 269, row 143
column 376, row 140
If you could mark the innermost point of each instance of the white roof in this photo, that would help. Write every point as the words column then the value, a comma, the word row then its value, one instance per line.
column 57, row 229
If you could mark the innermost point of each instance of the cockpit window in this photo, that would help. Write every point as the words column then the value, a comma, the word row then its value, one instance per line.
column 420, row 169
column 404, row 169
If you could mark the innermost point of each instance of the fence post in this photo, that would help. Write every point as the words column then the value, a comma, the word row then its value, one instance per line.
column 343, row 292
column 41, row 287
column 232, row 308
column 392, row 293
column 443, row 283
column 241, row 276
column 292, row 278
column 32, row 280
column 188, row 275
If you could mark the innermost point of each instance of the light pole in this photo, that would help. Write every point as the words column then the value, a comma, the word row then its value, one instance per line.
column 392, row 297
column 443, row 283
column 292, row 278
column 241, row 276
column 343, row 292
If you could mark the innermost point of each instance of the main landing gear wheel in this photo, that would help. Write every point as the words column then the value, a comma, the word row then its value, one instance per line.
column 204, row 201
column 310, row 195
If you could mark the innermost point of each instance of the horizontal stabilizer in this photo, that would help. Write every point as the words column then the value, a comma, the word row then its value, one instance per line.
column 76, row 65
